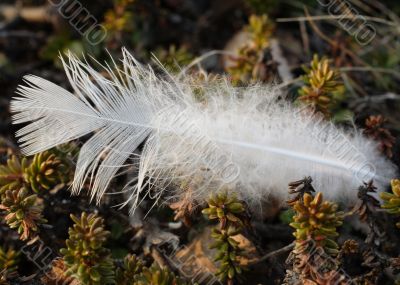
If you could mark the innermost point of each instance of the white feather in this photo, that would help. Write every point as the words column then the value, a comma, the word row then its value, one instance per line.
column 264, row 140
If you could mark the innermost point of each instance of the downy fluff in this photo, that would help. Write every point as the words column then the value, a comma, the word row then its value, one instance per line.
column 250, row 140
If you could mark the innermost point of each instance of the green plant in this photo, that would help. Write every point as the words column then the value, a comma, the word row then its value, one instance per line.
column 250, row 63
column 154, row 275
column 316, row 220
column 323, row 88
column 118, row 19
column 63, row 43
column 23, row 211
column 260, row 30
column 174, row 58
column 11, row 176
column 8, row 264
column 228, row 253
column 391, row 201
column 201, row 81
column 225, row 208
column 46, row 171
column 133, row 272
column 130, row 268
column 85, row 255
column 121, row 23
column 230, row 213
column 315, row 223
column 43, row 172
column 20, row 178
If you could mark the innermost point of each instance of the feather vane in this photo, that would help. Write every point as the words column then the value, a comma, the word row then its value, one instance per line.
column 249, row 139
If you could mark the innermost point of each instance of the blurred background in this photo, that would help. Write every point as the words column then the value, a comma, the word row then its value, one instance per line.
column 249, row 41
column 360, row 37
